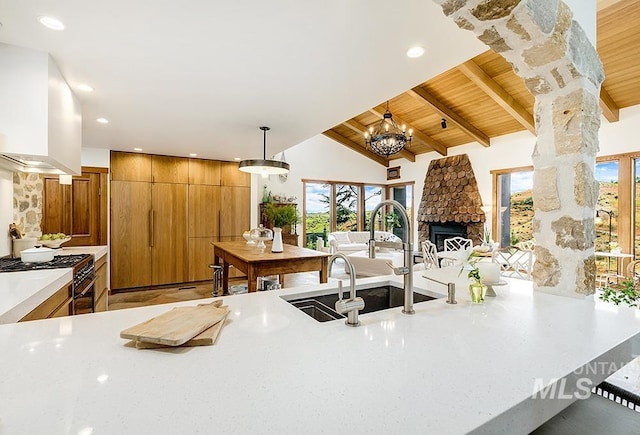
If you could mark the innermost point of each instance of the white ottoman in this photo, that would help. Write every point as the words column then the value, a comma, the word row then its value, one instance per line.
column 366, row 266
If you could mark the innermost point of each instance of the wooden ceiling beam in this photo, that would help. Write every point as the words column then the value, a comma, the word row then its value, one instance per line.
column 438, row 147
column 428, row 99
column 610, row 109
column 497, row 94
column 362, row 129
column 355, row 147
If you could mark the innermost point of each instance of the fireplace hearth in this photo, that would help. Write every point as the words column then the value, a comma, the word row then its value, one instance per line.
column 439, row 233
column 451, row 204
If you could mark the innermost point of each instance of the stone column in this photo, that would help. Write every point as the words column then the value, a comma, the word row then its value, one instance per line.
column 561, row 68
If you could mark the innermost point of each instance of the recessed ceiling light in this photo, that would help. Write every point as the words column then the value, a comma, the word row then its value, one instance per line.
column 137, row 149
column 102, row 120
column 51, row 23
column 414, row 52
column 85, row 88
column 237, row 159
column 193, row 155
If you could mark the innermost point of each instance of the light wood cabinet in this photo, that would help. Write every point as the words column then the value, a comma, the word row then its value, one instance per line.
column 204, row 172
column 130, row 234
column 162, row 228
column 165, row 169
column 230, row 175
column 78, row 210
column 130, row 166
column 169, row 261
column 200, row 257
column 235, row 211
column 204, row 211
column 57, row 305
column 101, row 287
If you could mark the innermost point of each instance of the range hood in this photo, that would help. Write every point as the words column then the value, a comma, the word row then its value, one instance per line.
column 40, row 117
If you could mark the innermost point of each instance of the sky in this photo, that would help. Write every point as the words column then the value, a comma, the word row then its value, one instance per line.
column 607, row 171
column 314, row 198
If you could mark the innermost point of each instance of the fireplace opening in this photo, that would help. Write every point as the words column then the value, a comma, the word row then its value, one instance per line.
column 439, row 233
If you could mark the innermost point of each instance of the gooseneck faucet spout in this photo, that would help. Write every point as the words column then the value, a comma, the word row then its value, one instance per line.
column 353, row 304
column 406, row 269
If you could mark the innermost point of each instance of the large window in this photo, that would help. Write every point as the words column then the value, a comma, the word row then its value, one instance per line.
column 514, row 211
column 617, row 208
column 317, row 213
column 339, row 206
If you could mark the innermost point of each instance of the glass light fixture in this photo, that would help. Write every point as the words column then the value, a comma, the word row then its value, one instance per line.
column 264, row 167
column 388, row 138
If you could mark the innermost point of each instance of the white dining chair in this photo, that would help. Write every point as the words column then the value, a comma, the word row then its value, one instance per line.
column 514, row 262
column 429, row 255
column 455, row 244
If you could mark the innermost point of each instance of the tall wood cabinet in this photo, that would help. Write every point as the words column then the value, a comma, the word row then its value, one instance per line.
column 78, row 210
column 166, row 211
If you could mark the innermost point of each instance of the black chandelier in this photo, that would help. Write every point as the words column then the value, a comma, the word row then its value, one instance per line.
column 388, row 138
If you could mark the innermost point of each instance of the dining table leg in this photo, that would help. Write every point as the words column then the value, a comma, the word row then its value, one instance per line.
column 252, row 278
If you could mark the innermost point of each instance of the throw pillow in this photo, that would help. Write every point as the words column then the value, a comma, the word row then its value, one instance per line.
column 341, row 237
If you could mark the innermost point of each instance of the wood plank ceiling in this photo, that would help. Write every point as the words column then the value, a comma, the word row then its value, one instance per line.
column 483, row 98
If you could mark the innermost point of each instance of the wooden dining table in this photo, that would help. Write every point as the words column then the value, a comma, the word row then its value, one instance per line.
column 257, row 262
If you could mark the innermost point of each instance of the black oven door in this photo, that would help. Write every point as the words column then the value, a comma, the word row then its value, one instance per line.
column 84, row 297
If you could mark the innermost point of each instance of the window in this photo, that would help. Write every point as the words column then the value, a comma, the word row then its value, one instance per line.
column 372, row 197
column 514, row 200
column 346, row 205
column 317, row 216
column 339, row 206
column 618, row 206
column 403, row 193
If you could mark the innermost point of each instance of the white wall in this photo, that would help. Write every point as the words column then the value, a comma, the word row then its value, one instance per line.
column 97, row 157
column 6, row 210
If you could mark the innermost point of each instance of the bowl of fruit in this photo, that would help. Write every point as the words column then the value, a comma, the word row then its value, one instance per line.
column 54, row 240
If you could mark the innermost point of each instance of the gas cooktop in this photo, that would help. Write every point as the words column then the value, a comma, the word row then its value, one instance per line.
column 58, row 262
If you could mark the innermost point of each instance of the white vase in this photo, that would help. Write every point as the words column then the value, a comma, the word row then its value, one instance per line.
column 277, row 240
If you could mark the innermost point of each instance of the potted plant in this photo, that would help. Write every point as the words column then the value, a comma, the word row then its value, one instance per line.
column 281, row 216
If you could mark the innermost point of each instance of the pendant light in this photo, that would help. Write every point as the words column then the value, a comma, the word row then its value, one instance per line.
column 388, row 138
column 264, row 167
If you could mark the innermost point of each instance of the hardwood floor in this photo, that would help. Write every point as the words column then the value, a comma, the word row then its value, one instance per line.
column 141, row 298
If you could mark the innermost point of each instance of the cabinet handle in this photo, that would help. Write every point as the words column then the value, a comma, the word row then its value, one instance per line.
column 151, row 228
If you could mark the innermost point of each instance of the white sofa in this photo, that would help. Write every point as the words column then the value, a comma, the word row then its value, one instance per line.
column 353, row 241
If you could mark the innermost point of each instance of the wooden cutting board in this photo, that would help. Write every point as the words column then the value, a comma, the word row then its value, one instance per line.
column 206, row 338
column 177, row 326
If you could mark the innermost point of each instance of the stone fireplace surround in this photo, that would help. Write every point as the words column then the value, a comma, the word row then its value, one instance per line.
column 450, row 202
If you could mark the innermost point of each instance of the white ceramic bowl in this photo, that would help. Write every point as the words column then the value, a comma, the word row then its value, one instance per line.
column 37, row 255
column 54, row 243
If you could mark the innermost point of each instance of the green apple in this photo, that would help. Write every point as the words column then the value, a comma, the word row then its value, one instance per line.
column 46, row 237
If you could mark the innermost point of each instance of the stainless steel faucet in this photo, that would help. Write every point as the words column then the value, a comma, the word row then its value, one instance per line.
column 407, row 268
column 353, row 304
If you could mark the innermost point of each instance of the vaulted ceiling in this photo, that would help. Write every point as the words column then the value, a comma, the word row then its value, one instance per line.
column 483, row 98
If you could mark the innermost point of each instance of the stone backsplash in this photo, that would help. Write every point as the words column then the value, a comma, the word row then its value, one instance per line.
column 27, row 202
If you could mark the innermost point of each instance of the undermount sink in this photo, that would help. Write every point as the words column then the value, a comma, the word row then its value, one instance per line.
column 377, row 298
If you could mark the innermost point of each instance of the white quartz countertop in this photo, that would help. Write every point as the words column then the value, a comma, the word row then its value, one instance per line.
column 446, row 369
column 21, row 292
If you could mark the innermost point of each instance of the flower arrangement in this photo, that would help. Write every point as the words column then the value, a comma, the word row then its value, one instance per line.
column 613, row 246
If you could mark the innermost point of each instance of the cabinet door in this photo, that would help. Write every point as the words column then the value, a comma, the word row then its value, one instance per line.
column 166, row 169
column 204, row 172
column 200, row 257
column 130, row 166
column 100, row 288
column 75, row 209
column 230, row 175
column 130, row 234
column 235, row 214
column 169, row 234
column 204, row 208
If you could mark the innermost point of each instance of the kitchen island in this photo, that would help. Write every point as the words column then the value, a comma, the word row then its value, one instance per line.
column 446, row 369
